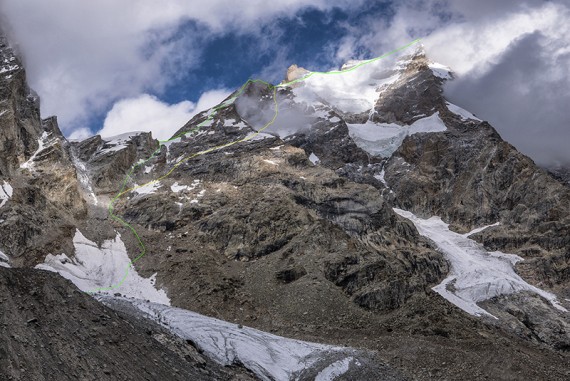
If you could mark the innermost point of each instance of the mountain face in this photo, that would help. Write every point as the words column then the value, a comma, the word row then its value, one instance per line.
column 360, row 209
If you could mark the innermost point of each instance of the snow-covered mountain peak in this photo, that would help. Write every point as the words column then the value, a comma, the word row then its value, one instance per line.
column 359, row 84
column 349, row 91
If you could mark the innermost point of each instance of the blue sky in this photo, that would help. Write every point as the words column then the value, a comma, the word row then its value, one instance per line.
column 148, row 65
column 306, row 38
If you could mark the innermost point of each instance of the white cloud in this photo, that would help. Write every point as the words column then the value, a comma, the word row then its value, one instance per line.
column 80, row 134
column 148, row 113
column 475, row 46
column 81, row 56
column 211, row 98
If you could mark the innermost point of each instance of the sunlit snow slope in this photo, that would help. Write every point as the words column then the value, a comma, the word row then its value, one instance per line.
column 94, row 268
column 476, row 274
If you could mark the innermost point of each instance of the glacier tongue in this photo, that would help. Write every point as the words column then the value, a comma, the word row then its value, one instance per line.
column 269, row 356
column 476, row 274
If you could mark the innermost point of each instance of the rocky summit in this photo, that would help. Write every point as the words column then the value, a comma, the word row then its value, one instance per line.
column 355, row 226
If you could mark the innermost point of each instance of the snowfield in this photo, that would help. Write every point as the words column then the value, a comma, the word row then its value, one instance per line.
column 476, row 274
column 383, row 139
column 353, row 91
column 106, row 269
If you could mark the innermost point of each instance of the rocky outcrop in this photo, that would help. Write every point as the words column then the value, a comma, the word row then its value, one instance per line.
column 51, row 331
column 44, row 201
column 531, row 318
column 109, row 160
column 20, row 124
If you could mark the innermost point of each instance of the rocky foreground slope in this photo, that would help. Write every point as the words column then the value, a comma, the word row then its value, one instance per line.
column 281, row 210
column 52, row 331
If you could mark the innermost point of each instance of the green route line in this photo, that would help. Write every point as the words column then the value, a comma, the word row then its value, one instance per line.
column 211, row 115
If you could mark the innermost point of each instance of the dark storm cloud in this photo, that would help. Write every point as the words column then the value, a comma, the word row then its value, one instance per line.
column 526, row 95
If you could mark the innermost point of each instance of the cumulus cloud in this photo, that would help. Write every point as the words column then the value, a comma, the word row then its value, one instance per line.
column 82, row 56
column 80, row 134
column 148, row 113
column 511, row 60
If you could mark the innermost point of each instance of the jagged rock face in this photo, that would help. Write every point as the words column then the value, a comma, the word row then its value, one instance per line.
column 319, row 139
column 561, row 173
column 50, row 330
column 20, row 125
column 417, row 93
column 110, row 159
column 44, row 199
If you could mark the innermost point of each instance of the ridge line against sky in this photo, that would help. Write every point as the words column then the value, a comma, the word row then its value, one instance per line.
column 136, row 65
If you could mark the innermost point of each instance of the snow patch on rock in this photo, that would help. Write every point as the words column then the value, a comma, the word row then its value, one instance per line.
column 382, row 177
column 42, row 143
column 118, row 142
column 254, row 136
column 178, row 188
column 4, row 260
column 6, row 192
column 383, row 139
column 440, row 70
column 235, row 123
column 148, row 188
column 476, row 274
column 314, row 158
column 106, row 269
column 84, row 178
column 464, row 114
